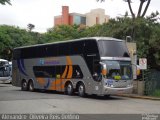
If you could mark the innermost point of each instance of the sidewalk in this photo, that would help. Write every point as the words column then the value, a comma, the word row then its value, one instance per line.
column 139, row 96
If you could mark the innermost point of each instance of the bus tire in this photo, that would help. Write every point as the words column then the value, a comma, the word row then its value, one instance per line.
column 81, row 90
column 69, row 89
column 31, row 86
column 24, row 86
column 107, row 96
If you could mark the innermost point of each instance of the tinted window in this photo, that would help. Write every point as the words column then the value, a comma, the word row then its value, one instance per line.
column 44, row 71
column 77, row 47
column 53, row 71
column 112, row 48
column 16, row 54
column 28, row 52
column 64, row 49
column 77, row 73
column 41, row 51
column 52, row 50
column 91, row 54
column 4, row 71
column 91, row 47
column 59, row 49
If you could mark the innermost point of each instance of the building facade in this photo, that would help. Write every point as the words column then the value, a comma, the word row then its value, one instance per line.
column 96, row 16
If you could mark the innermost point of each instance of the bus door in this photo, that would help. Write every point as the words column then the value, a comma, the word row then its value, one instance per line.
column 97, row 77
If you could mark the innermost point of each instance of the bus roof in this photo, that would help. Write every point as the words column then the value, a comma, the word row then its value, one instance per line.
column 66, row 41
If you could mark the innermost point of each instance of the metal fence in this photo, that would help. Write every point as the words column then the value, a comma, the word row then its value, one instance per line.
column 151, row 78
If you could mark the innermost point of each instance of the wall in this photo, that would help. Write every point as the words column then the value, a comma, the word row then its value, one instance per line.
column 96, row 16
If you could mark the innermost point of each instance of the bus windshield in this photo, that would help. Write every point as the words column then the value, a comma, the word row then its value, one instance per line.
column 119, row 70
column 108, row 48
column 4, row 68
column 4, row 71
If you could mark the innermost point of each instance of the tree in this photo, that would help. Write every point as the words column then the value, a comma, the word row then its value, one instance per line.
column 30, row 27
column 11, row 37
column 100, row 0
column 3, row 2
column 65, row 32
column 146, row 31
column 140, row 13
column 139, row 9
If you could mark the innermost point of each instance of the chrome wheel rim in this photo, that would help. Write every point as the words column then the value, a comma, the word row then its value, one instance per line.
column 30, row 86
column 81, row 89
column 24, row 84
column 69, row 88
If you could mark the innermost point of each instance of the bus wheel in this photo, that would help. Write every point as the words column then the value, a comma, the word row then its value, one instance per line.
column 81, row 90
column 31, row 86
column 107, row 96
column 24, row 86
column 69, row 89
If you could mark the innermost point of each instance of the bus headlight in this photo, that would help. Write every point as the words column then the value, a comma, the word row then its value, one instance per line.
column 129, row 85
column 111, row 85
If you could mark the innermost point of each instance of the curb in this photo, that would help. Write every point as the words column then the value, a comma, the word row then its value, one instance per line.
column 139, row 97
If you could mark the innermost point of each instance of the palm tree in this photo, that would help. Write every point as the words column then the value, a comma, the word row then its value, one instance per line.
column 30, row 27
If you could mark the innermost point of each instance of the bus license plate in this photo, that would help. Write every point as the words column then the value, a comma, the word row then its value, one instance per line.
column 120, row 91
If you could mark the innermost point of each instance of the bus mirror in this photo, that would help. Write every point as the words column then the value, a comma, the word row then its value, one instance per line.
column 104, row 72
column 104, row 69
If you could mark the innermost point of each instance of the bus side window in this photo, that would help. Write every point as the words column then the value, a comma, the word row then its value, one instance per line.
column 76, row 47
column 89, row 45
column 77, row 73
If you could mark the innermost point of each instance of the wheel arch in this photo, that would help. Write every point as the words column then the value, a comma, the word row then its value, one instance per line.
column 78, row 83
column 24, row 80
column 67, row 82
column 23, row 86
column 30, row 80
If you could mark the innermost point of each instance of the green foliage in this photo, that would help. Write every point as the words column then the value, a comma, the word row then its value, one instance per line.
column 30, row 27
column 144, row 31
column 64, row 32
column 156, row 93
column 11, row 37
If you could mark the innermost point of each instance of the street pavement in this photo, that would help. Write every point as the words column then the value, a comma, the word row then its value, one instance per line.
column 15, row 101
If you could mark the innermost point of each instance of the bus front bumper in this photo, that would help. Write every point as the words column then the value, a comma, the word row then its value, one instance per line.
column 5, row 78
column 114, row 91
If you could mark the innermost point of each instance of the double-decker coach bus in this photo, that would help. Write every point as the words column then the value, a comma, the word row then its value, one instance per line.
column 96, row 65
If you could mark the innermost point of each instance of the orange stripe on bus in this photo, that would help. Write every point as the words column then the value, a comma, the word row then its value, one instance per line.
column 70, row 72
column 58, row 84
column 58, row 81
column 65, row 72
column 53, row 86
column 41, row 81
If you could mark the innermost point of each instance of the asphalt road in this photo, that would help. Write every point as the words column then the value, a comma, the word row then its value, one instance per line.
column 13, row 100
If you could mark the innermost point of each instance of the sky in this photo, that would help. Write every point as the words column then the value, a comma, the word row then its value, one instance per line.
column 41, row 12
